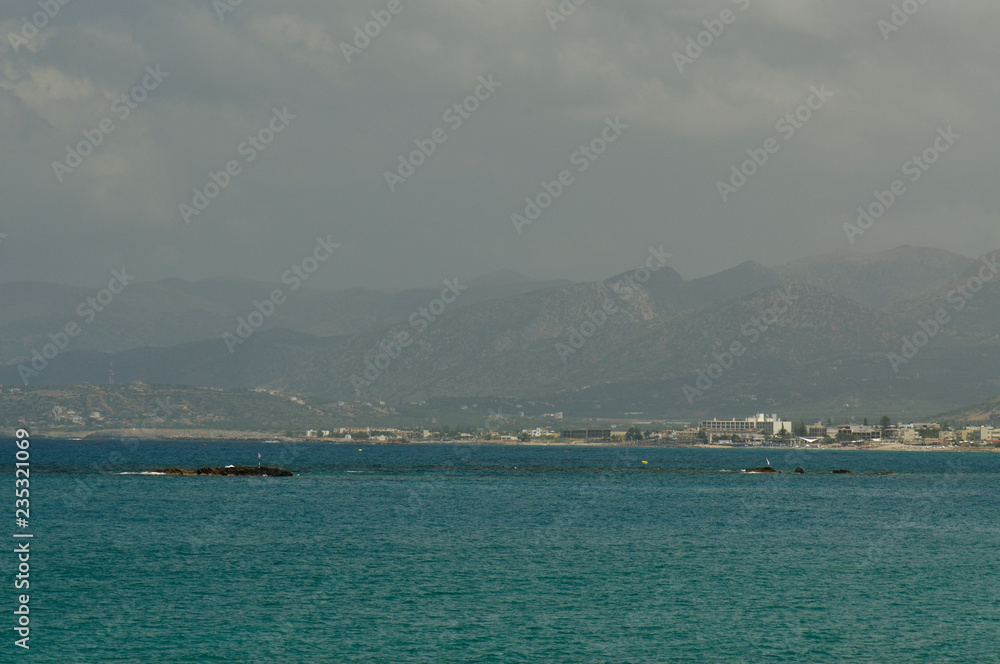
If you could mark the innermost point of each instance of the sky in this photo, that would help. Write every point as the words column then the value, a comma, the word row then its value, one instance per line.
column 624, row 120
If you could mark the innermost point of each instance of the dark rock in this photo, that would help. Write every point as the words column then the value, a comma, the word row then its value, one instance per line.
column 798, row 469
column 239, row 471
column 762, row 469
column 841, row 471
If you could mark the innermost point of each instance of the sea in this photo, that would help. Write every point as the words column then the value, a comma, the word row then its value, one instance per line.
column 444, row 553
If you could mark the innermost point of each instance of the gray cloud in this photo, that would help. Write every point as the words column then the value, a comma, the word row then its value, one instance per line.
column 324, row 174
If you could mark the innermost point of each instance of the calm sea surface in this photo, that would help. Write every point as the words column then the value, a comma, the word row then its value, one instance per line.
column 444, row 553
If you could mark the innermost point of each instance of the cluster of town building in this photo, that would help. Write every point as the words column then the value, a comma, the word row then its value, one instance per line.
column 61, row 414
column 389, row 434
column 763, row 428
column 367, row 433
column 756, row 430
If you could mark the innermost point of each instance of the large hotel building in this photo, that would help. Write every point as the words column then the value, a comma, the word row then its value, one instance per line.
column 760, row 423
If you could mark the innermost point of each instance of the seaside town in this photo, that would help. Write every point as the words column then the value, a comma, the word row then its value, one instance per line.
column 139, row 411
column 761, row 430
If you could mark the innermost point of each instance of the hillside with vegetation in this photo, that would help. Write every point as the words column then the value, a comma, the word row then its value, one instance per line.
column 138, row 410
column 810, row 341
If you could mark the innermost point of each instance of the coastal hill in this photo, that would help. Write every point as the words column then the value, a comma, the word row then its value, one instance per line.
column 598, row 348
column 140, row 410
column 881, row 279
column 984, row 412
column 173, row 311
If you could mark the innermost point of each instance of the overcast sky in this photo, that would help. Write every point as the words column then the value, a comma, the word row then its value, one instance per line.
column 324, row 173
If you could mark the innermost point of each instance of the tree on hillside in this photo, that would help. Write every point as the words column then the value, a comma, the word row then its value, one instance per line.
column 865, row 422
column 633, row 433
column 798, row 428
column 883, row 423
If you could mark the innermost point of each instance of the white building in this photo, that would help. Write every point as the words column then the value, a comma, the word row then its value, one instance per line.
column 770, row 425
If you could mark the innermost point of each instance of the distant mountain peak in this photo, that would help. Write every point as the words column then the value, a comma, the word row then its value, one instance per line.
column 879, row 278
column 750, row 266
column 661, row 276
column 501, row 277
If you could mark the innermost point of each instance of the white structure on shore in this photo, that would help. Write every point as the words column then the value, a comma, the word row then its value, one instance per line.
column 770, row 425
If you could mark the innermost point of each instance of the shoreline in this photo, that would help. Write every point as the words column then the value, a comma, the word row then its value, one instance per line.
column 209, row 435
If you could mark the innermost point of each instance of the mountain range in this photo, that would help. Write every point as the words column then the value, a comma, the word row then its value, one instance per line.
column 830, row 335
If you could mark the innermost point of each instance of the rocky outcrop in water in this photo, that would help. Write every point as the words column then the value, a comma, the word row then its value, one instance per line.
column 238, row 471
column 762, row 469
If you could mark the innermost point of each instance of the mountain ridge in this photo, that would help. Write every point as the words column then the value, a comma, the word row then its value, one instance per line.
column 621, row 343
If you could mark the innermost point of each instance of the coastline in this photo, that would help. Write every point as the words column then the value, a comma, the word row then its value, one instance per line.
column 213, row 435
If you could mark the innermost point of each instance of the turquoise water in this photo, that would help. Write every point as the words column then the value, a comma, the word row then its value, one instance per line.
column 508, row 554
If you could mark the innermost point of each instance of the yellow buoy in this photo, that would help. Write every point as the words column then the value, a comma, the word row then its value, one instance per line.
column 645, row 462
column 359, row 449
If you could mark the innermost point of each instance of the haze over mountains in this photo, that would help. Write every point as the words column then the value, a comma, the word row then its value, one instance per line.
column 815, row 337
